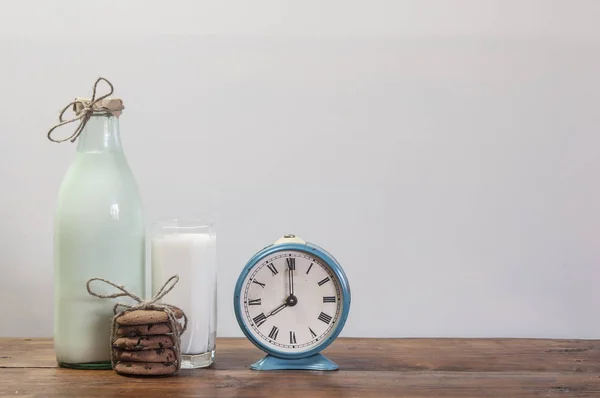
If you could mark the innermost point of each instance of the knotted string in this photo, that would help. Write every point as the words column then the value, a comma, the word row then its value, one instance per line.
column 84, row 114
column 151, row 304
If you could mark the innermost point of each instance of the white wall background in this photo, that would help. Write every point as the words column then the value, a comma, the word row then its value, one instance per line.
column 446, row 152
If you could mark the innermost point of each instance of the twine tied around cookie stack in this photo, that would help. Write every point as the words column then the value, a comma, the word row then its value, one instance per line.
column 144, row 330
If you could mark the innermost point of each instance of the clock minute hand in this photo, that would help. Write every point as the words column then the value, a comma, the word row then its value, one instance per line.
column 291, row 280
column 291, row 266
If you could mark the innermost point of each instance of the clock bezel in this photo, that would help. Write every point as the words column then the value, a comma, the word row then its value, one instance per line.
column 312, row 250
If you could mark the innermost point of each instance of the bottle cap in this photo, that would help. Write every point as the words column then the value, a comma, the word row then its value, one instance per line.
column 107, row 105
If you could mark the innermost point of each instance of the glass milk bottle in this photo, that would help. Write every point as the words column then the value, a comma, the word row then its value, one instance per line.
column 99, row 232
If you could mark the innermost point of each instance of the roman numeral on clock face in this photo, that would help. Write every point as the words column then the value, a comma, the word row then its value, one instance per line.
column 274, row 332
column 313, row 334
column 273, row 269
column 259, row 319
column 328, row 299
column 325, row 318
column 309, row 267
column 254, row 302
column 292, row 337
column 324, row 281
column 291, row 263
column 258, row 283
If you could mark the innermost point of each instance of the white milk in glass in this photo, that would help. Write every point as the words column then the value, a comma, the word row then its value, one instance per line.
column 188, row 249
column 99, row 232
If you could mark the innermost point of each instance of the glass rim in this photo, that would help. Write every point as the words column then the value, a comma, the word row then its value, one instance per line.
column 184, row 223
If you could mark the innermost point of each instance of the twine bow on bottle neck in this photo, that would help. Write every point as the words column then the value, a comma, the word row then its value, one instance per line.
column 84, row 114
column 152, row 304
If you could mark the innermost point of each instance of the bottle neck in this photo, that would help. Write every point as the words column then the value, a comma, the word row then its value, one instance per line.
column 100, row 134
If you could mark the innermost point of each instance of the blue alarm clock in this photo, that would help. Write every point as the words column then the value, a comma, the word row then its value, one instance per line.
column 292, row 300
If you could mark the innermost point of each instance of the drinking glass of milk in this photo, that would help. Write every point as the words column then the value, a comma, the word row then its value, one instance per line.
column 188, row 248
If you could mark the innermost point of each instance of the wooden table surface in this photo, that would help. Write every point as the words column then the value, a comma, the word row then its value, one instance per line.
column 370, row 368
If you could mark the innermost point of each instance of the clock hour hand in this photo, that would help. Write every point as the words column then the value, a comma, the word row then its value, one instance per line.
column 276, row 310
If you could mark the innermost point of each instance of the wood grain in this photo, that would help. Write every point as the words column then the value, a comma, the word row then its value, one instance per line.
column 227, row 383
column 368, row 368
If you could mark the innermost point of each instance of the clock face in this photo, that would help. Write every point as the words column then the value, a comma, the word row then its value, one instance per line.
column 291, row 301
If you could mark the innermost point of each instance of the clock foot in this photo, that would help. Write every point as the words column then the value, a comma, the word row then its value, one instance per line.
column 314, row 362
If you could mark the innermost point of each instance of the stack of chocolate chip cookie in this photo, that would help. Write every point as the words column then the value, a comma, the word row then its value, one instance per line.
column 145, row 343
